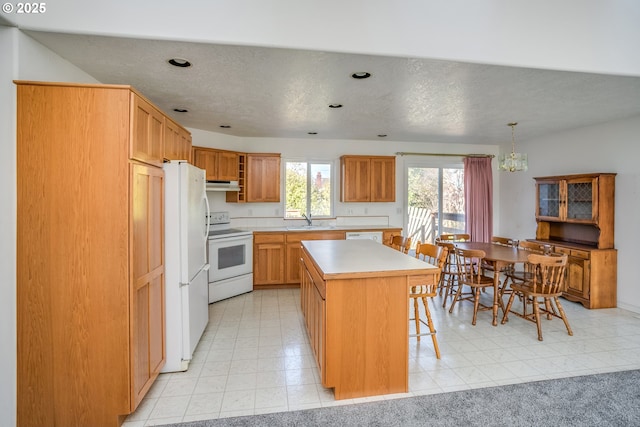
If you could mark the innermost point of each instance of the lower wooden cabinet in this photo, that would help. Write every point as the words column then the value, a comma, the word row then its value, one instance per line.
column 314, row 306
column 591, row 276
column 147, row 277
column 276, row 255
column 268, row 259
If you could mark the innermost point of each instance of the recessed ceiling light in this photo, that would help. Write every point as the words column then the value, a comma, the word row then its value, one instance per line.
column 382, row 135
column 361, row 75
column 179, row 62
column 335, row 105
column 225, row 126
column 312, row 133
column 180, row 110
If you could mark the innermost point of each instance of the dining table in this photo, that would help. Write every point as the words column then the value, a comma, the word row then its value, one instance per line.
column 500, row 256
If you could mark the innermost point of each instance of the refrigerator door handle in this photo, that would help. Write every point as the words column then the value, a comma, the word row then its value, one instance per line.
column 206, row 202
column 205, row 267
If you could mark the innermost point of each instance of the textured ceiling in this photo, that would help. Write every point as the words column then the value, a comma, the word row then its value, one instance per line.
column 273, row 92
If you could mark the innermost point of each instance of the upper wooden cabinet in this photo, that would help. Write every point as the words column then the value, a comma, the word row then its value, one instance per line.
column 90, row 252
column 368, row 178
column 576, row 208
column 263, row 177
column 147, row 132
column 220, row 165
column 177, row 141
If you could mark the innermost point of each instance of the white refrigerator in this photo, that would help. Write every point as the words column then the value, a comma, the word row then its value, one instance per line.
column 186, row 287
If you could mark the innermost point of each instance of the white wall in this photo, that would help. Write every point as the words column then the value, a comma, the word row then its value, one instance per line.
column 29, row 60
column 8, row 227
column 610, row 147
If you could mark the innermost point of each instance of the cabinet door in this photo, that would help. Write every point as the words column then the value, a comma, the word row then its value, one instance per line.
column 263, row 178
column 293, row 263
column 147, row 278
column 356, row 179
column 177, row 142
column 578, row 277
column 549, row 200
column 268, row 264
column 383, row 179
column 207, row 160
column 147, row 132
column 582, row 200
column 227, row 166
column 314, row 311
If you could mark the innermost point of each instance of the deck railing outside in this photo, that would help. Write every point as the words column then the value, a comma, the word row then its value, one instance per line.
column 423, row 224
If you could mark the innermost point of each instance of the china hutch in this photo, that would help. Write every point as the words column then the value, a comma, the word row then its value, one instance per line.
column 575, row 216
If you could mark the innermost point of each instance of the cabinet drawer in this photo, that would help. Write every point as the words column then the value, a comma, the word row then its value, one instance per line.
column 580, row 254
column 560, row 250
column 329, row 235
column 268, row 238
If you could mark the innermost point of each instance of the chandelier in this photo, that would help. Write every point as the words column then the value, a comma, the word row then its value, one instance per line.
column 512, row 162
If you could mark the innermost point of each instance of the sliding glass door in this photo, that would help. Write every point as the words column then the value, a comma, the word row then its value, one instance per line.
column 435, row 201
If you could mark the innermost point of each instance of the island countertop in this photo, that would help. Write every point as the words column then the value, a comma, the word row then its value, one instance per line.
column 362, row 258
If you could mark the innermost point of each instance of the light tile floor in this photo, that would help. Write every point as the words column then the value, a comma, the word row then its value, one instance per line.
column 255, row 357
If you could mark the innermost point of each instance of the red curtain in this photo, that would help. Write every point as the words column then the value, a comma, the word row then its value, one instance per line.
column 478, row 198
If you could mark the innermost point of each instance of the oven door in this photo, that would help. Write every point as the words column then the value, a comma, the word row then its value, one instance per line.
column 230, row 257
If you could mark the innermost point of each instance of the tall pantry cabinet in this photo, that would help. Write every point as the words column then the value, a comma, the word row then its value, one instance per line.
column 90, row 250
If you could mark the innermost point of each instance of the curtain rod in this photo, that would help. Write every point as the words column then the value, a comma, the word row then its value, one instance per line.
column 402, row 153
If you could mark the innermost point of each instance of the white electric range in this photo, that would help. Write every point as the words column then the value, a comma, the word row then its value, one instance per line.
column 230, row 256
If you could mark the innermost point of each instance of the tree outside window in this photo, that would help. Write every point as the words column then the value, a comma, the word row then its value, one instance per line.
column 308, row 189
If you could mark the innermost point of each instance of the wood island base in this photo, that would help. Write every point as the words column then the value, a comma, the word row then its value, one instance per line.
column 357, row 321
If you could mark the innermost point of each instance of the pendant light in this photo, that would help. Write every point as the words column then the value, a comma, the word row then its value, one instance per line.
column 512, row 162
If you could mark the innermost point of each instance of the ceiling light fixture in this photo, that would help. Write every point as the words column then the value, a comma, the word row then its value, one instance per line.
column 179, row 62
column 335, row 105
column 180, row 110
column 513, row 162
column 361, row 75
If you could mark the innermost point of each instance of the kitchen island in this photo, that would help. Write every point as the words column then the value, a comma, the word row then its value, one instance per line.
column 355, row 299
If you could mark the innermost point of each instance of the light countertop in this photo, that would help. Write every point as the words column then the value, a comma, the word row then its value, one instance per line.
column 362, row 257
column 294, row 229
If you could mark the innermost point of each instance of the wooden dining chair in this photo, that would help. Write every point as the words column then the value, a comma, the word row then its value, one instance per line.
column 455, row 237
column 401, row 243
column 469, row 262
column 434, row 255
column 502, row 241
column 523, row 273
column 449, row 278
column 542, row 292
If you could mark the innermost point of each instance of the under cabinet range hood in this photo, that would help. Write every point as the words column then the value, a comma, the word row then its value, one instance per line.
column 223, row 186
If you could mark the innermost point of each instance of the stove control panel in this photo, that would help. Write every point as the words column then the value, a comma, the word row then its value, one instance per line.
column 218, row 218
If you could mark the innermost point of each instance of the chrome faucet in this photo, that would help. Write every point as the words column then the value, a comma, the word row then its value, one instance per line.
column 308, row 218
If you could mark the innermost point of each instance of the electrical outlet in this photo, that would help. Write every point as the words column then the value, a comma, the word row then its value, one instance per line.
column 366, row 211
column 250, row 212
column 277, row 212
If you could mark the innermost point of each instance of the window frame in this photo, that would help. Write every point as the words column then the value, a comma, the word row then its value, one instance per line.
column 332, row 180
column 428, row 163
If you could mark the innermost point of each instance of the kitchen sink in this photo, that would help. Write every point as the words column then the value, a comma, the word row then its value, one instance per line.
column 310, row 227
